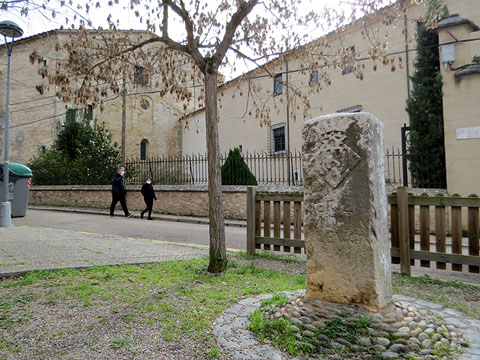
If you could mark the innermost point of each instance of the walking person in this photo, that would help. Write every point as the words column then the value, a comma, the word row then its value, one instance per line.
column 119, row 191
column 148, row 195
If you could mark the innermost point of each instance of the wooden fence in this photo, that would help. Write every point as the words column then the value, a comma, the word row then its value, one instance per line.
column 409, row 218
column 403, row 230
column 281, row 216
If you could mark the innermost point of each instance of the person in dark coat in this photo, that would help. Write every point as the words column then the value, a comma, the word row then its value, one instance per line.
column 148, row 195
column 118, row 192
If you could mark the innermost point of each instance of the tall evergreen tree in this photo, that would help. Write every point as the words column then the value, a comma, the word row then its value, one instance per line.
column 425, row 108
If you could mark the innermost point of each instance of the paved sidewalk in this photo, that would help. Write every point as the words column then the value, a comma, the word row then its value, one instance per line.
column 25, row 248
column 164, row 217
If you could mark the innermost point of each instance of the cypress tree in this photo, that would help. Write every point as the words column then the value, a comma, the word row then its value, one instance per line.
column 425, row 108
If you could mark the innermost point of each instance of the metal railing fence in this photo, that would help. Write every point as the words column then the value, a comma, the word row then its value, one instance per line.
column 411, row 170
column 268, row 169
column 278, row 169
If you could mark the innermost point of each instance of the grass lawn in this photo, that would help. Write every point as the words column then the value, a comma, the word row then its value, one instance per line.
column 125, row 310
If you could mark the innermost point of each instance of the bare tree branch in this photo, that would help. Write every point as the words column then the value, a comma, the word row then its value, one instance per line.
column 243, row 10
column 191, row 47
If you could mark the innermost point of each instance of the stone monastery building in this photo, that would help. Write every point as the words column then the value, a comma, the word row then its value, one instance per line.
column 350, row 82
column 152, row 125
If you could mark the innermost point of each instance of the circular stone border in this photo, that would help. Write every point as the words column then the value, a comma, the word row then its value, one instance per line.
column 234, row 337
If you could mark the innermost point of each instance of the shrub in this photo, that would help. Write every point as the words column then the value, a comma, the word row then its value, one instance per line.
column 82, row 154
column 235, row 171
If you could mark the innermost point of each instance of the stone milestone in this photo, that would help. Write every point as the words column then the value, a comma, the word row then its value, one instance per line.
column 346, row 234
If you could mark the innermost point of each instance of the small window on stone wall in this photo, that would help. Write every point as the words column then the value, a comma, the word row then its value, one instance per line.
column 349, row 61
column 278, row 140
column 143, row 149
column 314, row 74
column 314, row 77
column 139, row 75
column 277, row 84
column 88, row 113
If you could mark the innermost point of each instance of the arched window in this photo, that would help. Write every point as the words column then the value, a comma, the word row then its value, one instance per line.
column 144, row 104
column 143, row 149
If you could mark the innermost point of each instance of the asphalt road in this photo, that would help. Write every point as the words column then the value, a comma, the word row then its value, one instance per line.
column 176, row 232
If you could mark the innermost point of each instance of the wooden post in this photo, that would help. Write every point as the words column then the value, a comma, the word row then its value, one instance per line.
column 251, row 220
column 411, row 229
column 402, row 201
column 473, row 224
column 297, row 224
column 286, row 223
column 266, row 222
column 276, row 223
column 456, row 234
column 440, row 236
column 394, row 230
column 425, row 232
column 258, row 222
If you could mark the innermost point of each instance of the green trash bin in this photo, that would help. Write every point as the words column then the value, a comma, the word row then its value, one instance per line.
column 19, row 180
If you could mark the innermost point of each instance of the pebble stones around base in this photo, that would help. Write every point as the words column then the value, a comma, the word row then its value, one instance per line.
column 418, row 327
column 233, row 336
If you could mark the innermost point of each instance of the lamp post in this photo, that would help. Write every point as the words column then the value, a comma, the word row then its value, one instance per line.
column 9, row 30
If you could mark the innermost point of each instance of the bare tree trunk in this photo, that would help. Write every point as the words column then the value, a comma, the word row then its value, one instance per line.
column 124, row 118
column 218, row 254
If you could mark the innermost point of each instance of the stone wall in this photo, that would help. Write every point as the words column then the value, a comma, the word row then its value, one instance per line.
column 174, row 200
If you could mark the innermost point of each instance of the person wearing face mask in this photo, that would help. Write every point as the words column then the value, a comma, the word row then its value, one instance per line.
column 148, row 195
column 119, row 191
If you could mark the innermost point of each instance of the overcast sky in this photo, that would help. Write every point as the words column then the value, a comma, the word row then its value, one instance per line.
column 40, row 21
column 36, row 22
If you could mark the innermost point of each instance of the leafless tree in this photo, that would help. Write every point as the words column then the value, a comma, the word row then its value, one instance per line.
column 213, row 35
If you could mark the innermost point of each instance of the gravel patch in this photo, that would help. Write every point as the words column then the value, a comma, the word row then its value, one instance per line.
column 43, row 328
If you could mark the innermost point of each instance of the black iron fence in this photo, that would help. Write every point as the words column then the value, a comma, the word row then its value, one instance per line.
column 279, row 169
column 268, row 169
column 410, row 170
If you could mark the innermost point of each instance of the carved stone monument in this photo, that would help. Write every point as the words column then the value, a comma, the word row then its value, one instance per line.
column 346, row 234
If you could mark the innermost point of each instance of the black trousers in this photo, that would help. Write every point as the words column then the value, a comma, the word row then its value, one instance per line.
column 149, row 203
column 115, row 199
